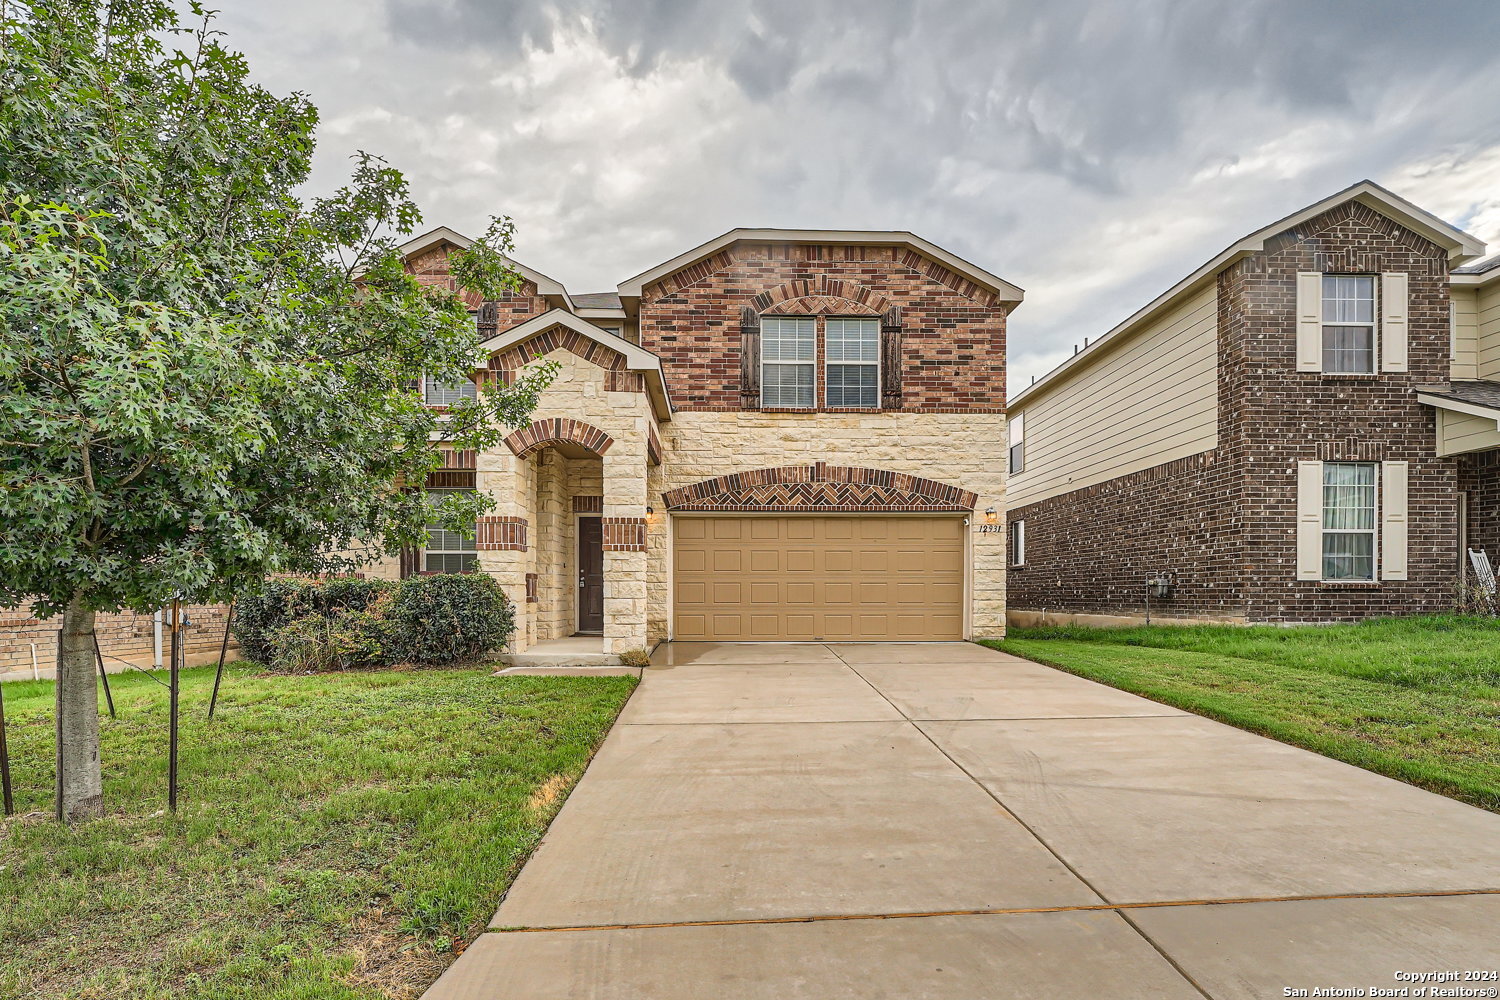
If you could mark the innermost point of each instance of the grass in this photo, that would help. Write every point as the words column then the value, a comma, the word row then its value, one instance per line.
column 337, row 836
column 1414, row 698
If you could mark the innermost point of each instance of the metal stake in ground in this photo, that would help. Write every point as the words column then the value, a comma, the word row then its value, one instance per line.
column 219, row 674
column 172, row 710
column 10, row 805
column 104, row 676
column 57, row 713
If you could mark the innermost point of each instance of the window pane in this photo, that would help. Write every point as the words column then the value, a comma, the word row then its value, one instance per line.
column 1348, row 298
column 436, row 393
column 1349, row 555
column 450, row 562
column 449, row 551
column 1348, row 349
column 851, row 340
column 1348, row 496
column 852, row 385
column 787, row 385
column 784, row 338
column 1018, row 457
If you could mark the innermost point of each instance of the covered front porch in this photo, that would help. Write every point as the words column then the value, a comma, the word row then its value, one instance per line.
column 568, row 535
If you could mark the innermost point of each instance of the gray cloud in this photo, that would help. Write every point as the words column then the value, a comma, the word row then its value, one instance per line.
column 1091, row 152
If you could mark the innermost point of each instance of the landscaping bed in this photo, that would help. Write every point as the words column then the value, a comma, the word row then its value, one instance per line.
column 339, row 835
column 1416, row 699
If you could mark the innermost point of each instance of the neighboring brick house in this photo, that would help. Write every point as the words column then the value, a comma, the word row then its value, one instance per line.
column 778, row 435
column 1304, row 429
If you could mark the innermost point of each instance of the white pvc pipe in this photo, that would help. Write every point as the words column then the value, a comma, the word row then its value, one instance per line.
column 156, row 639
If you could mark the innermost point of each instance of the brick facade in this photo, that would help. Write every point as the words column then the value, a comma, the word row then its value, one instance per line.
column 1222, row 525
column 953, row 335
column 124, row 636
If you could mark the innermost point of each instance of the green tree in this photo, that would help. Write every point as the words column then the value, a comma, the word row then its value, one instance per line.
column 203, row 377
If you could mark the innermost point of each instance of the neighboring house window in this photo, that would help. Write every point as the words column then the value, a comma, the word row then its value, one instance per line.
column 851, row 356
column 1349, row 323
column 1017, row 435
column 449, row 551
column 435, row 393
column 788, row 357
column 1349, row 521
column 1018, row 543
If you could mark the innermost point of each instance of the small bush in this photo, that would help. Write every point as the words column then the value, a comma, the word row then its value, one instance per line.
column 636, row 657
column 258, row 615
column 449, row 618
column 329, row 640
column 259, row 618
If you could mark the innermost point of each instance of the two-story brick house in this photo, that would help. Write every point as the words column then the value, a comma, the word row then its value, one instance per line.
column 778, row 435
column 1304, row 429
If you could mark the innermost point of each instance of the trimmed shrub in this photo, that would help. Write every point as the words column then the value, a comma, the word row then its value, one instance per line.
column 330, row 640
column 449, row 618
column 259, row 617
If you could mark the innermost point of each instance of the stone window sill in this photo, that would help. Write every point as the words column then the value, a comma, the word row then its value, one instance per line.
column 1350, row 584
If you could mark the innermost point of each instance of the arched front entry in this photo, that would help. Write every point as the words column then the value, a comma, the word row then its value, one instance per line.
column 819, row 553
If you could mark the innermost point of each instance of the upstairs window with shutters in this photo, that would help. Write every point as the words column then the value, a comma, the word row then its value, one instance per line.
column 851, row 356
column 1349, row 324
column 788, row 356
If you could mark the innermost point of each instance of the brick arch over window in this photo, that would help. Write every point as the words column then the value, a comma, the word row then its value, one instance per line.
column 820, row 487
column 557, row 430
column 820, row 295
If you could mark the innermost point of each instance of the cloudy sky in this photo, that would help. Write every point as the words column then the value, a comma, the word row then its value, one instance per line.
column 1092, row 153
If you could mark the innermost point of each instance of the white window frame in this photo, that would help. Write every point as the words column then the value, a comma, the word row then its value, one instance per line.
column 450, row 391
column 873, row 320
column 473, row 539
column 1325, row 323
column 811, row 363
column 1018, row 542
column 1373, row 531
column 1016, row 439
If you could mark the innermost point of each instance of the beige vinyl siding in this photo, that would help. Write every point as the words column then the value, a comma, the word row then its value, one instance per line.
column 1460, row 433
column 1150, row 400
column 1465, row 333
column 1487, row 312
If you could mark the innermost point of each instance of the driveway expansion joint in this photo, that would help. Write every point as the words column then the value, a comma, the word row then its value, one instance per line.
column 995, row 911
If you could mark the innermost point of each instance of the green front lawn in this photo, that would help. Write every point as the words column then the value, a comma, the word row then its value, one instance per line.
column 338, row 835
column 1416, row 698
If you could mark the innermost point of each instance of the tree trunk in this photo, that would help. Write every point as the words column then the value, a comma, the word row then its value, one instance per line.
column 80, row 787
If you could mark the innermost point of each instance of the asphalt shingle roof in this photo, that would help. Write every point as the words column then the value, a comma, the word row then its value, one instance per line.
column 597, row 300
column 1478, row 392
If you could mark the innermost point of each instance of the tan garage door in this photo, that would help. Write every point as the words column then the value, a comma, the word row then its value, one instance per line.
column 810, row 577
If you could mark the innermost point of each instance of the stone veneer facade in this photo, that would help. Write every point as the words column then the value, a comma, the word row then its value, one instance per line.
column 598, row 446
column 1222, row 524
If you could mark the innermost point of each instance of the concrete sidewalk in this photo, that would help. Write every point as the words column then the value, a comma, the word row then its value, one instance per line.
column 939, row 820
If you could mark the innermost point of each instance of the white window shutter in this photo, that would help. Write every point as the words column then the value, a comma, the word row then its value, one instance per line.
column 1393, row 336
column 1309, row 520
column 1393, row 520
column 1309, row 321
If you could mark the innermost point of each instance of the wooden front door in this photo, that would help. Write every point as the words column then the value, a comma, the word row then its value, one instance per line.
column 590, row 576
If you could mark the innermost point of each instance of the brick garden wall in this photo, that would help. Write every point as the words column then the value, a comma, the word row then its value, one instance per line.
column 127, row 636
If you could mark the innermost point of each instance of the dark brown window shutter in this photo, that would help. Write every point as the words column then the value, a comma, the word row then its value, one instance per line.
column 749, row 359
column 411, row 561
column 890, row 359
column 489, row 320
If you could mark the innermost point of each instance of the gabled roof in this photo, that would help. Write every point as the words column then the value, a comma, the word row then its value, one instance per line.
column 1476, row 397
column 637, row 358
column 545, row 286
column 631, row 287
column 1460, row 246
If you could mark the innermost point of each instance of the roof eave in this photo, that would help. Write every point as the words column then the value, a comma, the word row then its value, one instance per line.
column 549, row 288
column 630, row 290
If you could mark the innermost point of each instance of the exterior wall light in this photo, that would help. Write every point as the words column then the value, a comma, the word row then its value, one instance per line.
column 991, row 515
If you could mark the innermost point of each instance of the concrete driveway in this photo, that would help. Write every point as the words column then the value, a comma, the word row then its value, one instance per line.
column 942, row 821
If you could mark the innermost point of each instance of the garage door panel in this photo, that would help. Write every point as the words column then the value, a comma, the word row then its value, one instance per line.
column 818, row 577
